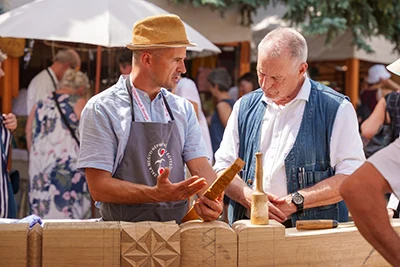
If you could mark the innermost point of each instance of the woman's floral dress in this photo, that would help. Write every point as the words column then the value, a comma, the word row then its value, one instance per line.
column 57, row 189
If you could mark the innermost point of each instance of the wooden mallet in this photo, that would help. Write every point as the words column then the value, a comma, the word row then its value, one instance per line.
column 217, row 187
column 259, row 199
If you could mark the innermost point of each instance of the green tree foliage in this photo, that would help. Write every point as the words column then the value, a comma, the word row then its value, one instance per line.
column 364, row 18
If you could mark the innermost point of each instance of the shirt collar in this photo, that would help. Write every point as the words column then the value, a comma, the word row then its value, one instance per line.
column 143, row 93
column 303, row 94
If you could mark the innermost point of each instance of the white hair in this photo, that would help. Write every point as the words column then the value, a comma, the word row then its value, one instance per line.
column 282, row 39
column 74, row 79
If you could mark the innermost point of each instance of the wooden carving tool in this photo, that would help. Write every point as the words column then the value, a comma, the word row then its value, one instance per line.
column 259, row 199
column 316, row 224
column 217, row 187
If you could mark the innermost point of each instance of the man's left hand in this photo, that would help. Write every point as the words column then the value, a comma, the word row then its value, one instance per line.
column 285, row 205
column 207, row 209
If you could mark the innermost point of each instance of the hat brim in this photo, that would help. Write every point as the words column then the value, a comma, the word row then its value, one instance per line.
column 395, row 67
column 158, row 46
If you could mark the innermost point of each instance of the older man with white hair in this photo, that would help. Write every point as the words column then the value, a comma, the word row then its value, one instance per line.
column 307, row 132
column 47, row 80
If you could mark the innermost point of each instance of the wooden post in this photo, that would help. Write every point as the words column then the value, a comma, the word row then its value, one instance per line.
column 98, row 70
column 352, row 80
column 7, row 86
column 244, row 57
column 15, row 76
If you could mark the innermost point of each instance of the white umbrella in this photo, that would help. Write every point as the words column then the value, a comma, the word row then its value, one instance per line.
column 102, row 22
column 106, row 23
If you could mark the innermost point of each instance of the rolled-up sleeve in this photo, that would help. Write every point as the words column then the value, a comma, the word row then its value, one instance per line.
column 194, row 146
column 346, row 146
column 229, row 147
column 98, row 142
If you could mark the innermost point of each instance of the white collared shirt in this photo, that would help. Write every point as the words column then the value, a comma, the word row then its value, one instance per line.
column 39, row 87
column 280, row 127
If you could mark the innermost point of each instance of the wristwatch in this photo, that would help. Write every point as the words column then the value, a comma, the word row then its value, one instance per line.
column 298, row 201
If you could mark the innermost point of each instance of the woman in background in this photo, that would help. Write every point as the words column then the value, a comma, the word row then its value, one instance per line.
column 57, row 189
column 219, row 82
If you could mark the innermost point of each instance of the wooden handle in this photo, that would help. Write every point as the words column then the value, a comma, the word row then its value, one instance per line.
column 316, row 224
column 259, row 199
column 217, row 187
column 259, row 172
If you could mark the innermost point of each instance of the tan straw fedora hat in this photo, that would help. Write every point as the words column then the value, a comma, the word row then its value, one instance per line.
column 395, row 67
column 161, row 31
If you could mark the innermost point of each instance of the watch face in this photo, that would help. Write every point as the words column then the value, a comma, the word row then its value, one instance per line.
column 297, row 198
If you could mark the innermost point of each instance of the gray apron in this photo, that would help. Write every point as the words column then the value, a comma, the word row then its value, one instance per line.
column 151, row 147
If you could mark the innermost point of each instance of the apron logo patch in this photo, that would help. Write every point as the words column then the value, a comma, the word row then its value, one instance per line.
column 157, row 162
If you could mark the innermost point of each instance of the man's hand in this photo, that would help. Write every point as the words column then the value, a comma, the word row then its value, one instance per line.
column 275, row 207
column 286, row 206
column 167, row 191
column 207, row 209
column 10, row 121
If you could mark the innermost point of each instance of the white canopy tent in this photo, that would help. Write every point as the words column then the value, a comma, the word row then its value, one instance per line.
column 105, row 23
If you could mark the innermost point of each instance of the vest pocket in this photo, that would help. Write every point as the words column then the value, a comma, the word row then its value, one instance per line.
column 319, row 213
column 313, row 177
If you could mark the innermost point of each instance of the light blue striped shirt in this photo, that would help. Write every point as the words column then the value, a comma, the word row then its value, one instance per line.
column 106, row 119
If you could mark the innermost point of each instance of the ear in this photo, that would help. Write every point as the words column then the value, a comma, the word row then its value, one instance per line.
column 147, row 59
column 303, row 68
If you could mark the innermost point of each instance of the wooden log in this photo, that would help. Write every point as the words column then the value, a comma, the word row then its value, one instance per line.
column 341, row 246
column 208, row 244
column 13, row 244
column 81, row 244
column 150, row 244
column 35, row 236
column 256, row 243
column 217, row 187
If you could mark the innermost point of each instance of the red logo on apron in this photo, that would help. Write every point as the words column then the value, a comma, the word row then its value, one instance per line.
column 157, row 162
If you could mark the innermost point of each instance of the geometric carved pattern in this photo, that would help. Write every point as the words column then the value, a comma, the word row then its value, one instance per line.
column 208, row 244
column 150, row 244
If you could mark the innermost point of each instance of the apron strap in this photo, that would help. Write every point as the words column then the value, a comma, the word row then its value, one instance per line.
column 129, row 88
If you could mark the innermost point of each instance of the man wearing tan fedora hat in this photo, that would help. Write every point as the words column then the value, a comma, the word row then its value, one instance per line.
column 364, row 192
column 136, row 136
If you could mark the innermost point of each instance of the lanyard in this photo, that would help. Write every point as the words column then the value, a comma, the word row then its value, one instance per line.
column 141, row 106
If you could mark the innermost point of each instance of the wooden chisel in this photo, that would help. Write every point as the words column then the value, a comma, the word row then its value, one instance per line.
column 316, row 224
column 259, row 199
column 217, row 187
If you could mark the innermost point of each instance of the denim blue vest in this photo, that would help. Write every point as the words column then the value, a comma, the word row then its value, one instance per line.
column 311, row 149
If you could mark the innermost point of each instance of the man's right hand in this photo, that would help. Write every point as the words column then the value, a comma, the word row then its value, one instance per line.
column 167, row 191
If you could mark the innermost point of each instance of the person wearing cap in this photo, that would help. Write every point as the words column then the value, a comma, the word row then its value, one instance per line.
column 136, row 136
column 364, row 193
column 307, row 132
column 378, row 78
column 47, row 80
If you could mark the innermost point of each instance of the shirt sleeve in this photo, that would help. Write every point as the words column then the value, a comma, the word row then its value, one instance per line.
column 229, row 147
column 346, row 146
column 194, row 146
column 98, row 142
column 393, row 202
